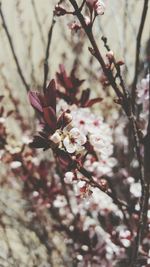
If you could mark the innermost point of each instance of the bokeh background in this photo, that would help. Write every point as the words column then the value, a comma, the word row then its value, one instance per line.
column 28, row 22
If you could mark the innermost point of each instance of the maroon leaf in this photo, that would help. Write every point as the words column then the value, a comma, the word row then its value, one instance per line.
column 39, row 142
column 9, row 113
column 76, row 82
column 93, row 102
column 35, row 100
column 50, row 117
column 50, row 94
column 66, row 82
column 85, row 97
column 63, row 96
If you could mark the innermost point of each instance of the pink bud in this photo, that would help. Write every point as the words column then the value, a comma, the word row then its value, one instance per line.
column 59, row 11
column 110, row 55
column 87, row 20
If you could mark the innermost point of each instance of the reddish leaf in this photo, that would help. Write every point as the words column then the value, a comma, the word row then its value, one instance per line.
column 35, row 100
column 9, row 113
column 76, row 82
column 39, row 142
column 66, row 82
column 85, row 97
column 50, row 117
column 50, row 94
column 63, row 96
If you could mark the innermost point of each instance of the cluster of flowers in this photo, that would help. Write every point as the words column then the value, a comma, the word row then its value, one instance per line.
column 83, row 132
column 81, row 181
column 78, row 137
column 97, row 5
column 95, row 8
column 68, row 183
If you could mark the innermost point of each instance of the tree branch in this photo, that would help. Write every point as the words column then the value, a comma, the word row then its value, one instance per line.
column 46, row 67
column 138, row 47
column 13, row 50
column 121, row 205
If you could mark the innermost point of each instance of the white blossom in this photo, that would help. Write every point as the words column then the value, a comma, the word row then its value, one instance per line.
column 135, row 189
column 100, row 7
column 74, row 141
column 60, row 202
column 143, row 100
column 87, row 20
column 68, row 177
column 15, row 164
column 143, row 89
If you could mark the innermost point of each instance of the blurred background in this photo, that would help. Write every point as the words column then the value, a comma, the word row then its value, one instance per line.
column 28, row 23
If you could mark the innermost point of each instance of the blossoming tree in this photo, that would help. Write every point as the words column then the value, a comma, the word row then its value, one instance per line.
column 88, row 165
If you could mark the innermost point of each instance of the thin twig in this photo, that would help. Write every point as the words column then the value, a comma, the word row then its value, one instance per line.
column 13, row 50
column 138, row 46
column 46, row 67
column 121, row 205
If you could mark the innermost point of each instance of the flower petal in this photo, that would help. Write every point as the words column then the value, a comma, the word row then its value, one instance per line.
column 68, row 145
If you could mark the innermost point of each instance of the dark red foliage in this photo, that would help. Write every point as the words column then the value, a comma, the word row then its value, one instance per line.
column 71, row 86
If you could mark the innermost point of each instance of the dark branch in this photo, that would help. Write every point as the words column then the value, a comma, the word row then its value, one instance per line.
column 121, row 205
column 138, row 47
column 46, row 67
column 13, row 50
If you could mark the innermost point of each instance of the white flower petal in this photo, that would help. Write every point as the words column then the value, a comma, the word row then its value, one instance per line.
column 66, row 141
column 70, row 148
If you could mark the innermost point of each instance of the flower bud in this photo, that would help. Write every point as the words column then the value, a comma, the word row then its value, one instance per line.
column 99, row 7
column 120, row 62
column 103, row 184
column 67, row 118
column 59, row 11
column 87, row 20
column 56, row 138
column 118, row 100
column 110, row 55
column 74, row 26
